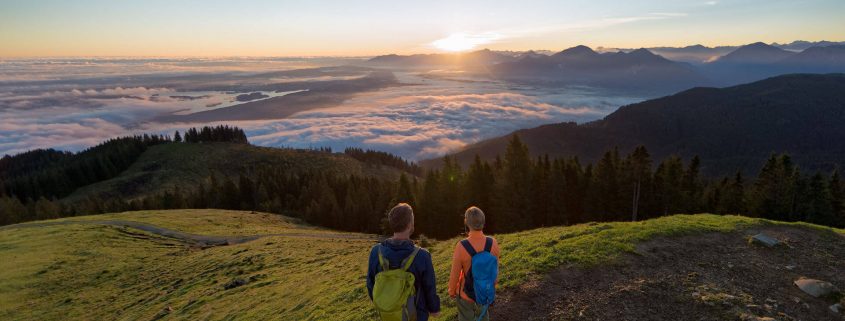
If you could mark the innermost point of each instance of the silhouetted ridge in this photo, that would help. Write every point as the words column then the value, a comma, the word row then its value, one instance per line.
column 733, row 128
column 757, row 53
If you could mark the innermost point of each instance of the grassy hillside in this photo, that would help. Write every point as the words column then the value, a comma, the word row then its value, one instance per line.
column 89, row 271
column 168, row 165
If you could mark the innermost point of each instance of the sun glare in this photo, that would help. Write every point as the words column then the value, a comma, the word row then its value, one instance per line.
column 463, row 42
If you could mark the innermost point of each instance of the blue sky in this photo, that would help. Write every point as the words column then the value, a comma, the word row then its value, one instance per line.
column 352, row 28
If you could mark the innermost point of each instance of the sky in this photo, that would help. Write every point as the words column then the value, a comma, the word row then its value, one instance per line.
column 213, row 28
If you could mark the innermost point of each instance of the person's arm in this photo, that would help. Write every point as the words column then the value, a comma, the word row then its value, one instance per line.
column 372, row 269
column 429, row 286
column 455, row 274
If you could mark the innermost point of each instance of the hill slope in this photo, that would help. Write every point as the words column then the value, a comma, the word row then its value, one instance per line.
column 95, row 271
column 165, row 166
column 734, row 128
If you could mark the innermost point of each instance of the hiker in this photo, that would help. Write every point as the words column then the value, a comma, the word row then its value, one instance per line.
column 474, row 273
column 400, row 276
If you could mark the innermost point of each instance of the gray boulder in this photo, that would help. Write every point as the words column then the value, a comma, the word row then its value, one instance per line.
column 765, row 240
column 817, row 288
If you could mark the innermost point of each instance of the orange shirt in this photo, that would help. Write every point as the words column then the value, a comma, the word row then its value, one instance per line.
column 461, row 262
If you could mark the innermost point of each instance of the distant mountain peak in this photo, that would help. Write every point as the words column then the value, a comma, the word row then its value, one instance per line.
column 642, row 52
column 755, row 53
column 580, row 50
column 643, row 55
column 758, row 44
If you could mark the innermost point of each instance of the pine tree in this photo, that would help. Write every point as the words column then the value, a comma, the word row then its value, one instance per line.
column 691, row 187
column 667, row 181
column 639, row 178
column 404, row 193
column 607, row 187
column 451, row 181
column 430, row 204
column 773, row 195
column 176, row 137
column 733, row 196
column 515, row 188
column 818, row 202
column 480, row 185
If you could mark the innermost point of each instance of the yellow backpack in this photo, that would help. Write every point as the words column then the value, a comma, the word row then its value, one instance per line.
column 393, row 293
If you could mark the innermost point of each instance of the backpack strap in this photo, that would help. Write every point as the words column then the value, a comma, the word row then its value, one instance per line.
column 468, row 247
column 410, row 259
column 483, row 310
column 385, row 265
column 488, row 244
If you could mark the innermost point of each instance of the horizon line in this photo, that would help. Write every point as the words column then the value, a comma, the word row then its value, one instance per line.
column 312, row 56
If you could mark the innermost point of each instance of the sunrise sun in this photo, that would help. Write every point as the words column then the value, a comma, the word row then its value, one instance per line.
column 463, row 41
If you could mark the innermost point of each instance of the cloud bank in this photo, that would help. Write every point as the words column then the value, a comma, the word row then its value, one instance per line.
column 427, row 118
column 416, row 127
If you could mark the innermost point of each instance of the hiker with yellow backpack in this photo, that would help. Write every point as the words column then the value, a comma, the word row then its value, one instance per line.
column 400, row 276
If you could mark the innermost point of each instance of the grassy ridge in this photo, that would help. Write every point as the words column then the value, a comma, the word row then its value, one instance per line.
column 168, row 165
column 98, row 272
column 211, row 222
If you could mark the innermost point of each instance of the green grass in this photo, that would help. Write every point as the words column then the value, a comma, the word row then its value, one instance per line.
column 168, row 165
column 212, row 222
column 99, row 272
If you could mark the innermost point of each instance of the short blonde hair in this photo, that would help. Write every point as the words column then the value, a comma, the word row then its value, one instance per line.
column 474, row 218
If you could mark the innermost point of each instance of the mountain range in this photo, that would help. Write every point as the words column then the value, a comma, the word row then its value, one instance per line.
column 649, row 70
column 731, row 129
column 638, row 69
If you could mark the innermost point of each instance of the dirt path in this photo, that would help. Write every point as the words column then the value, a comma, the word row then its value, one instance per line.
column 193, row 239
column 712, row 276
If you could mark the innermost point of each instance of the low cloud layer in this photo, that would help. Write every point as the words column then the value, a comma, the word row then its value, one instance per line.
column 428, row 118
column 417, row 127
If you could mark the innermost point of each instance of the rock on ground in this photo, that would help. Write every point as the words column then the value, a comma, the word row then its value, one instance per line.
column 816, row 288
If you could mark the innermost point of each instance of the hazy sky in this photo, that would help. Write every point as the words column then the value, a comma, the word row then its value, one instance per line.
column 353, row 28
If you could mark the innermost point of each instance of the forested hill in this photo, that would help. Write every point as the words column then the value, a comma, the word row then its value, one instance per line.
column 734, row 128
column 211, row 167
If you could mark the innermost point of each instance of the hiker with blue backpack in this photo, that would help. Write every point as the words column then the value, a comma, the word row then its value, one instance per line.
column 400, row 276
column 475, row 270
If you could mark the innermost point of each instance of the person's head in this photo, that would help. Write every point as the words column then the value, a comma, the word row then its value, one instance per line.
column 474, row 218
column 401, row 218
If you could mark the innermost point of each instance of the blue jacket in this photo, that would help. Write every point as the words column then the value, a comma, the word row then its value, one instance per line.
column 395, row 251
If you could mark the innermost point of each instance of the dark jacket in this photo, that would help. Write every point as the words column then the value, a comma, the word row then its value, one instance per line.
column 395, row 251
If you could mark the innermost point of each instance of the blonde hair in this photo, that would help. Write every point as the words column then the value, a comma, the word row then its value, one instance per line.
column 474, row 218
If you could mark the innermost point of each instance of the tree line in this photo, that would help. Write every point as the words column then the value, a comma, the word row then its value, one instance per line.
column 517, row 192
column 375, row 157
column 33, row 180
column 52, row 174
column 220, row 133
column 520, row 192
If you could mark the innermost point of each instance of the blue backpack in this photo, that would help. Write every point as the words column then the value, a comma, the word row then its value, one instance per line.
column 480, row 284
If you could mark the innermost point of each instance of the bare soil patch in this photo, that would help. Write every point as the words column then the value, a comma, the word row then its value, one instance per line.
column 713, row 276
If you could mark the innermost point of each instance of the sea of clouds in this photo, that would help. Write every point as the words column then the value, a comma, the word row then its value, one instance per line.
column 73, row 108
